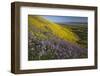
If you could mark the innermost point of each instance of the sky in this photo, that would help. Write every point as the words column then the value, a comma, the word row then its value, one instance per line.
column 66, row 19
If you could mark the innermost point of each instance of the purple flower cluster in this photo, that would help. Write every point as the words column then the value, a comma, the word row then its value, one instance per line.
column 53, row 48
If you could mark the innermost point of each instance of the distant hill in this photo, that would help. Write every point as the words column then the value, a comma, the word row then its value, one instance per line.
column 74, row 23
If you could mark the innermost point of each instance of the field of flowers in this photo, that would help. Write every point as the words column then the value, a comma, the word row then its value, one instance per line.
column 48, row 40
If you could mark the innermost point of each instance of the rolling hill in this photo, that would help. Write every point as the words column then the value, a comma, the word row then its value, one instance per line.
column 48, row 40
column 44, row 25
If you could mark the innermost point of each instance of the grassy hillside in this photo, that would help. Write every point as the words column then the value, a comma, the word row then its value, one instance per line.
column 47, row 26
column 48, row 40
column 81, row 31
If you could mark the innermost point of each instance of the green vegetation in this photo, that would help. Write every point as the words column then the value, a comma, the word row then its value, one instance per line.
column 49, row 27
column 81, row 31
column 49, row 40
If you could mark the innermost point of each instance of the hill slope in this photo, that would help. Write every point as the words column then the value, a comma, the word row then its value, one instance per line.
column 48, row 40
column 47, row 26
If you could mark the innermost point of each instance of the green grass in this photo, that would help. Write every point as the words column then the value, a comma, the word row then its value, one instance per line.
column 81, row 31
